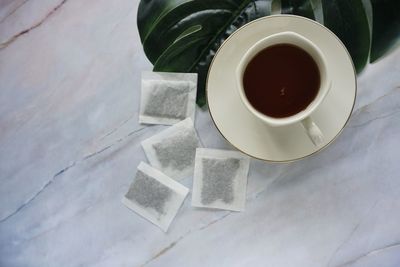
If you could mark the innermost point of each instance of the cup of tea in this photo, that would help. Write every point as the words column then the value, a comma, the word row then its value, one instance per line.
column 282, row 79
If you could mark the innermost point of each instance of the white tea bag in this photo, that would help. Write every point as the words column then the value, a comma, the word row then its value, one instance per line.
column 220, row 179
column 167, row 97
column 155, row 196
column 173, row 150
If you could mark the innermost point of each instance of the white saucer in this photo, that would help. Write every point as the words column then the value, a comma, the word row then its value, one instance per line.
column 288, row 143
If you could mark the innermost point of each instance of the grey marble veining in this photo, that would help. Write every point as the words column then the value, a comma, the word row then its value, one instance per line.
column 70, row 145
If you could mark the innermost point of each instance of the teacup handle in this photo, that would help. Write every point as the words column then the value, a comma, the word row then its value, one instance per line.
column 313, row 131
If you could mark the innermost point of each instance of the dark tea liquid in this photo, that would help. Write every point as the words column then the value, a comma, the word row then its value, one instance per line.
column 281, row 80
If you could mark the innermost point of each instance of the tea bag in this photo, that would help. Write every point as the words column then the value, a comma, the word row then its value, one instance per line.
column 155, row 196
column 220, row 179
column 173, row 150
column 167, row 98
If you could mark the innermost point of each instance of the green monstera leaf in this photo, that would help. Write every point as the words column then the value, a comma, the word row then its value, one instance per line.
column 386, row 26
column 183, row 35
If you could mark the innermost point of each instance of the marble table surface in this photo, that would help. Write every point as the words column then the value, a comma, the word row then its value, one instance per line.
column 70, row 144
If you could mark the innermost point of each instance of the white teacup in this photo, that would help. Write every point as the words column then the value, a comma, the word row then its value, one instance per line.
column 304, row 116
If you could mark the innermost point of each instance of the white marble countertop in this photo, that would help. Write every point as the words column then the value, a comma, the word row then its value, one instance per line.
column 70, row 145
